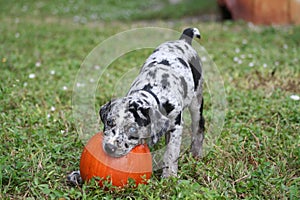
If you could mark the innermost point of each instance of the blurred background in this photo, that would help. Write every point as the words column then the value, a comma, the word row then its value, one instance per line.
column 260, row 12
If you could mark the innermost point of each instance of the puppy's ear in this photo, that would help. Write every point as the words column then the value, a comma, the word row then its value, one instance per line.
column 104, row 110
column 159, row 125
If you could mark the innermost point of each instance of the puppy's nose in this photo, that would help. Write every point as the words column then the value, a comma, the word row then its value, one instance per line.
column 110, row 148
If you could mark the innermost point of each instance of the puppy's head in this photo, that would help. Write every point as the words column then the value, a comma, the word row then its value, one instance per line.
column 127, row 123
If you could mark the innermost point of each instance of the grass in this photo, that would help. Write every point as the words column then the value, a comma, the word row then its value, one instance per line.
column 257, row 155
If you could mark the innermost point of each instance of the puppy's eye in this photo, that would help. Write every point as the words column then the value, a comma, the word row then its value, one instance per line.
column 132, row 130
column 132, row 133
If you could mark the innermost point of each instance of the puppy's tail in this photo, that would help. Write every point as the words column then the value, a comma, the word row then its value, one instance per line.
column 190, row 33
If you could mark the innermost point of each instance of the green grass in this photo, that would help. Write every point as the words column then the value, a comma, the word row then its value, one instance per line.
column 106, row 10
column 257, row 155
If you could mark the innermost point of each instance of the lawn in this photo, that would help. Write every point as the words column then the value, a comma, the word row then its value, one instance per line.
column 44, row 43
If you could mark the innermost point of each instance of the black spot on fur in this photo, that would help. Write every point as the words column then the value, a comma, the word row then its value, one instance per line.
column 147, row 102
column 180, row 49
column 133, row 105
column 178, row 119
column 168, row 107
column 152, row 74
column 171, row 47
column 140, row 120
column 165, row 76
column 202, row 120
column 136, row 82
column 165, row 81
column 145, row 112
column 148, row 88
column 164, row 62
column 196, row 76
column 184, row 85
column 168, row 135
column 183, row 62
column 155, row 50
column 189, row 32
column 130, row 137
column 152, row 64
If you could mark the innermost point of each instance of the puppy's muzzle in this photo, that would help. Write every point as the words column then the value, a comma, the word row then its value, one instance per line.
column 110, row 148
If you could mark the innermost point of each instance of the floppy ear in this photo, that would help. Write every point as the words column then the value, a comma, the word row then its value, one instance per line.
column 159, row 125
column 104, row 110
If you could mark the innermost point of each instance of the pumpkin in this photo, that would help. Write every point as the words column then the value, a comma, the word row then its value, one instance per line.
column 264, row 12
column 94, row 162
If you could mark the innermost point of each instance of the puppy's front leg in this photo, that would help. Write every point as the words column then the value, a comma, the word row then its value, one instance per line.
column 172, row 152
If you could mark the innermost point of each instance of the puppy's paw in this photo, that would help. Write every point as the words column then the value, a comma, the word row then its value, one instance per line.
column 169, row 172
column 74, row 178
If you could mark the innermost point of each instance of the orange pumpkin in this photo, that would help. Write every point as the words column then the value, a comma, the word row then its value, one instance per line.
column 94, row 162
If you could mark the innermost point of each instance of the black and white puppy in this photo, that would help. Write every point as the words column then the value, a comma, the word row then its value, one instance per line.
column 169, row 81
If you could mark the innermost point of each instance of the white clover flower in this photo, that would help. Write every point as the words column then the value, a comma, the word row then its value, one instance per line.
column 52, row 108
column 31, row 76
column 65, row 88
column 285, row 46
column 52, row 72
column 237, row 50
column 38, row 64
column 244, row 41
column 236, row 59
column 251, row 64
column 25, row 84
column 265, row 65
column 295, row 97
column 80, row 84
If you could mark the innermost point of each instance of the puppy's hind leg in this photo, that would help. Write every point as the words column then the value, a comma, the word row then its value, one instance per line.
column 196, row 110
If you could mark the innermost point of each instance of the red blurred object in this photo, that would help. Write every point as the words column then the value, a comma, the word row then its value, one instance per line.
column 264, row 11
column 94, row 162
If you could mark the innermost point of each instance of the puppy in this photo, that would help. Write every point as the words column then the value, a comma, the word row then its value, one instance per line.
column 169, row 81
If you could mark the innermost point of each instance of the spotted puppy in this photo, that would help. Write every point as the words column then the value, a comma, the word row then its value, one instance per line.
column 169, row 81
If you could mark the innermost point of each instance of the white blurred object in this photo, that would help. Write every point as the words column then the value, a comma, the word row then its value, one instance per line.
column 295, row 97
